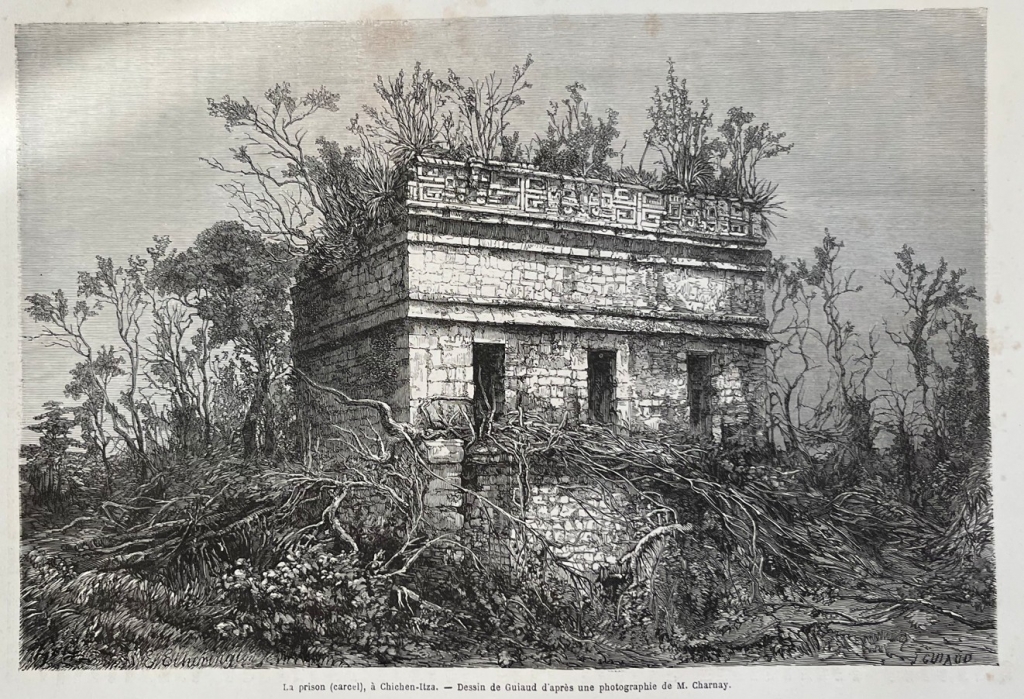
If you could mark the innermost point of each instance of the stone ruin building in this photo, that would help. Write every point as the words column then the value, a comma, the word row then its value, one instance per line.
column 513, row 288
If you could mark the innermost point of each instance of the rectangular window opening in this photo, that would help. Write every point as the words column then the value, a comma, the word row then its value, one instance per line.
column 698, row 372
column 488, row 381
column 601, row 386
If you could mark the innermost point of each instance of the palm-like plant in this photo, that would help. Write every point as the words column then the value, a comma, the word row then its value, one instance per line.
column 679, row 133
column 409, row 123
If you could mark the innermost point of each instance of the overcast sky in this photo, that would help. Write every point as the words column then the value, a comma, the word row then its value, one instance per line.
column 887, row 111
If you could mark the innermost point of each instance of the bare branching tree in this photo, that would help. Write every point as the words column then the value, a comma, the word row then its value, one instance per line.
column 179, row 359
column 929, row 297
column 278, row 184
column 851, row 359
column 790, row 360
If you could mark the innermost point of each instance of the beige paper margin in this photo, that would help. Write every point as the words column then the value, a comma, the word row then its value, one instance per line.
column 1005, row 143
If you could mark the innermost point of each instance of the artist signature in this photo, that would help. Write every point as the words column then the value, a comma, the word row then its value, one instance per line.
column 940, row 658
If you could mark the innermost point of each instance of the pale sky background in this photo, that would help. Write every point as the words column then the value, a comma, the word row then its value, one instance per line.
column 887, row 110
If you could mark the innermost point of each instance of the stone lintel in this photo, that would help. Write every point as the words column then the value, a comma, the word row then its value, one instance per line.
column 604, row 322
column 444, row 451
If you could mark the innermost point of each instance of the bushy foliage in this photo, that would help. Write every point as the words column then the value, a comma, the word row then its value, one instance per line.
column 316, row 604
column 240, row 285
column 680, row 134
column 575, row 143
column 52, row 471
column 693, row 160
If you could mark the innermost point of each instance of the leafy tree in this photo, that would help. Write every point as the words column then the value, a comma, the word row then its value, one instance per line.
column 109, row 378
column 47, row 464
column 239, row 284
column 574, row 143
column 124, row 290
column 90, row 383
column 962, row 388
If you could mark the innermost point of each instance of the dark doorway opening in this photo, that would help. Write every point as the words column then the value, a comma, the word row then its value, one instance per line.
column 601, row 386
column 698, row 372
column 488, row 381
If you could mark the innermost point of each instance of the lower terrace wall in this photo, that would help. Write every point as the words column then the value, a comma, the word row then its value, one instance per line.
column 586, row 524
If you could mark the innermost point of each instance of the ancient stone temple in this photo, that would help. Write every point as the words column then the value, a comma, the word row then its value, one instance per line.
column 513, row 288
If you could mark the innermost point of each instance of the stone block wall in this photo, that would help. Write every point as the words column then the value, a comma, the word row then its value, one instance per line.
column 329, row 307
column 350, row 334
column 586, row 525
column 482, row 272
column 424, row 369
column 546, row 371
column 660, row 386
column 371, row 364
column 399, row 323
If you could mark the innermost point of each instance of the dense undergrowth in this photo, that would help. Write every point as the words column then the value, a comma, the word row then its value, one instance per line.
column 237, row 562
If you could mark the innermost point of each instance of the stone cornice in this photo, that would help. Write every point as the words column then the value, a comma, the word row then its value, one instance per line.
column 478, row 215
column 569, row 251
column 497, row 191
column 533, row 314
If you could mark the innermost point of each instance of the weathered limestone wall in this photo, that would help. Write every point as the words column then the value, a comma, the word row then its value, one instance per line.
column 587, row 525
column 487, row 272
column 350, row 334
column 329, row 308
column 546, row 370
column 660, row 384
column 372, row 364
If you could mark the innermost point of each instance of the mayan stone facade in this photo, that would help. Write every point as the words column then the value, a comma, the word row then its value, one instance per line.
column 551, row 275
column 512, row 288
